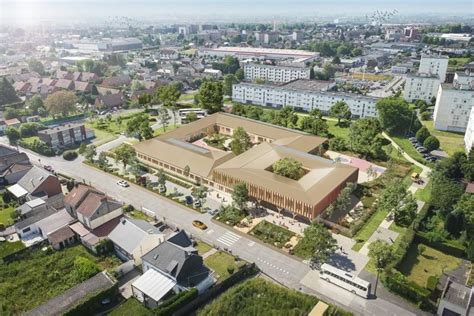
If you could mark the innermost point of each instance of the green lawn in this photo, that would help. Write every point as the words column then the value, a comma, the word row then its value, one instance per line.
column 419, row 267
column 161, row 130
column 40, row 275
column 187, row 96
column 369, row 228
column 272, row 234
column 337, row 131
column 458, row 61
column 131, row 307
column 424, row 194
column 220, row 263
column 202, row 247
column 136, row 214
column 101, row 136
column 7, row 248
column 405, row 144
column 450, row 142
column 30, row 140
column 5, row 215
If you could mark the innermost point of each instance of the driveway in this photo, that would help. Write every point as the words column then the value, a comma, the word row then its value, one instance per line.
column 125, row 283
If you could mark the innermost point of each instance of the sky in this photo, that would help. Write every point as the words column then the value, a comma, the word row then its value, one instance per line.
column 33, row 11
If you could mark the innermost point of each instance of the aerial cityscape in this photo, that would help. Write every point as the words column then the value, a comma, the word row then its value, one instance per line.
column 237, row 158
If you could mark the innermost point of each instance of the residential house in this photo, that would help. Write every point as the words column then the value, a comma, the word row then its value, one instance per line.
column 65, row 135
column 89, row 77
column 109, row 101
column 116, row 81
column 91, row 207
column 169, row 54
column 64, row 75
column 174, row 265
column 13, row 165
column 14, row 122
column 36, row 183
column 21, row 87
column 81, row 86
column 457, row 299
column 62, row 237
column 64, row 84
column 132, row 238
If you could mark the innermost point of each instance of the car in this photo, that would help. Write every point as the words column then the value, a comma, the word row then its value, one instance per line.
column 199, row 225
column 431, row 159
column 48, row 168
column 123, row 183
column 426, row 155
column 213, row 212
column 412, row 139
column 421, row 150
column 161, row 188
column 188, row 199
column 197, row 203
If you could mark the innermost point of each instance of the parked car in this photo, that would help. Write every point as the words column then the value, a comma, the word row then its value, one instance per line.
column 213, row 212
column 188, row 199
column 431, row 159
column 123, row 183
column 421, row 150
column 412, row 139
column 197, row 203
column 199, row 225
column 48, row 168
column 161, row 188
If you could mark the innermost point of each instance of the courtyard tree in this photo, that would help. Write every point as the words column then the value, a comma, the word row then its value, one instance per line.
column 240, row 195
column 341, row 111
column 61, row 103
column 288, row 167
column 125, row 154
column 240, row 141
column 405, row 212
column 90, row 152
column 13, row 135
column 169, row 95
column 431, row 143
column 422, row 134
column 7, row 92
column 164, row 118
column 381, row 253
column 211, row 96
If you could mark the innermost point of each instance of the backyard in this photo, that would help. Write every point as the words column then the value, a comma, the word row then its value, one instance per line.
column 41, row 275
column 450, row 142
column 419, row 267
column 7, row 247
column 223, row 264
column 272, row 234
column 5, row 214
column 131, row 307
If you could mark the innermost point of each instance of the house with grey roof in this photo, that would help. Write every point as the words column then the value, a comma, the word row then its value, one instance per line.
column 457, row 299
column 174, row 265
column 132, row 238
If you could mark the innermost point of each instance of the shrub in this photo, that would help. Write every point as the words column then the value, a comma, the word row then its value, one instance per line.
column 230, row 269
column 398, row 283
column 422, row 134
column 39, row 147
column 338, row 144
column 431, row 283
column 70, row 184
column 168, row 307
column 425, row 116
column 70, row 155
column 431, row 143
column 85, row 268
column 128, row 208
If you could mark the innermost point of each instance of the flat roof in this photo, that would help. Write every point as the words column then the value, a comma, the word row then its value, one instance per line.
column 60, row 128
column 304, row 84
column 263, row 51
column 17, row 190
column 154, row 284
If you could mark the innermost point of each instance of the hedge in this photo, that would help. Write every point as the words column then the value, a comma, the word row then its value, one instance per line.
column 69, row 155
column 401, row 285
column 362, row 221
column 445, row 246
column 168, row 307
column 93, row 302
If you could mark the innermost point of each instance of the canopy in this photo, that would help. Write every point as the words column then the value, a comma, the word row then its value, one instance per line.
column 154, row 284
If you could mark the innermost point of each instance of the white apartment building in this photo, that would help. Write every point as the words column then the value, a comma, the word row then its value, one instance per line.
column 434, row 65
column 302, row 98
column 454, row 103
column 421, row 86
column 275, row 73
column 469, row 136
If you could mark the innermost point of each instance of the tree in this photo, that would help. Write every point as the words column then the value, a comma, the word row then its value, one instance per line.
column 102, row 161
column 169, row 95
column 199, row 192
column 395, row 116
column 380, row 252
column 145, row 130
column 229, row 80
column 137, row 85
column 7, row 92
column 445, row 192
column 240, row 195
column 365, row 138
column 316, row 113
column 211, row 96
column 320, row 242
column 341, row 111
column 90, row 152
column 164, row 117
column 454, row 222
column 239, row 74
column 405, row 212
column 13, row 135
column 421, row 249
column 191, row 117
column 11, row 113
column 61, row 102
column 125, row 154
column 338, row 144
column 343, row 200
column 336, row 60
column 36, row 66
column 356, row 52
column 35, row 104
column 161, row 177
column 422, row 134
column 392, row 195
column 288, row 167
column 431, row 143
column 85, row 268
column 240, row 141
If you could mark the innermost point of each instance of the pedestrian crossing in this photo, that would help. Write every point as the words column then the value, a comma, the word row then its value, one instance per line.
column 273, row 266
column 228, row 239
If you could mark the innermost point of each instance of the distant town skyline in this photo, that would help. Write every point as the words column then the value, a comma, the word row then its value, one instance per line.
column 30, row 12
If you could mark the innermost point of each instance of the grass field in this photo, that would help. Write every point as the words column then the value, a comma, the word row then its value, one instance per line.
column 101, row 136
column 202, row 247
column 418, row 267
column 131, row 307
column 187, row 96
column 369, row 76
column 369, row 228
column 405, row 144
column 161, row 130
column 5, row 215
column 7, row 248
column 450, row 142
column 337, row 131
column 458, row 61
column 424, row 194
column 220, row 263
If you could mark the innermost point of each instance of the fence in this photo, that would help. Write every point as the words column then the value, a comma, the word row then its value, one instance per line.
column 245, row 272
column 124, row 268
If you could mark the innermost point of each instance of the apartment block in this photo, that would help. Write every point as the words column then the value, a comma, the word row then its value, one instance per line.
column 303, row 95
column 469, row 136
column 434, row 65
column 421, row 86
column 275, row 73
column 65, row 135
column 454, row 103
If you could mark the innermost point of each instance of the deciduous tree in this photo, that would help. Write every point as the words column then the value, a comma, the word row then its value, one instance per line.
column 341, row 111
column 240, row 141
column 211, row 96
column 288, row 167
column 125, row 154
column 240, row 195
column 61, row 102
column 7, row 92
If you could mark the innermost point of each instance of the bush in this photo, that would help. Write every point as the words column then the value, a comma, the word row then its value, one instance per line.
column 401, row 285
column 168, row 307
column 422, row 134
column 445, row 246
column 431, row 283
column 39, row 147
column 337, row 144
column 425, row 116
column 431, row 143
column 230, row 269
column 128, row 208
column 30, row 129
column 85, row 268
column 70, row 155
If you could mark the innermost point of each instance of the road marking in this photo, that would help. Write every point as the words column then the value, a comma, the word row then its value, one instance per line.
column 210, row 231
column 228, row 238
column 273, row 266
column 251, row 243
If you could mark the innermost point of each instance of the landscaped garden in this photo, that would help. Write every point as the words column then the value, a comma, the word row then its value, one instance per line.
column 450, row 142
column 260, row 297
column 41, row 275
column 7, row 248
column 231, row 215
column 272, row 234
column 223, row 264
column 131, row 307
column 6, row 212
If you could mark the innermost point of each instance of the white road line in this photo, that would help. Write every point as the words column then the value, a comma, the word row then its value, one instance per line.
column 228, row 238
column 210, row 231
column 251, row 243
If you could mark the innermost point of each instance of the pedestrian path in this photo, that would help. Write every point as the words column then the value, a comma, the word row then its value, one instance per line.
column 228, row 239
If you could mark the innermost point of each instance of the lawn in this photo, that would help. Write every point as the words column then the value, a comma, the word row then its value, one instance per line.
column 450, row 142
column 221, row 263
column 187, row 96
column 40, row 275
column 30, row 140
column 7, row 248
column 202, row 247
column 161, row 130
column 5, row 215
column 369, row 228
column 405, row 144
column 369, row 76
column 458, row 61
column 272, row 234
column 131, row 307
column 424, row 194
column 260, row 297
column 418, row 267
column 137, row 214
column 101, row 136
column 337, row 131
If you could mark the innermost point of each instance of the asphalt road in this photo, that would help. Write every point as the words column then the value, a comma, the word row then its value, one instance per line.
column 285, row 269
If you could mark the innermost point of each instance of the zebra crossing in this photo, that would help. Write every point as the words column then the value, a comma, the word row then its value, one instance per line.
column 228, row 239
